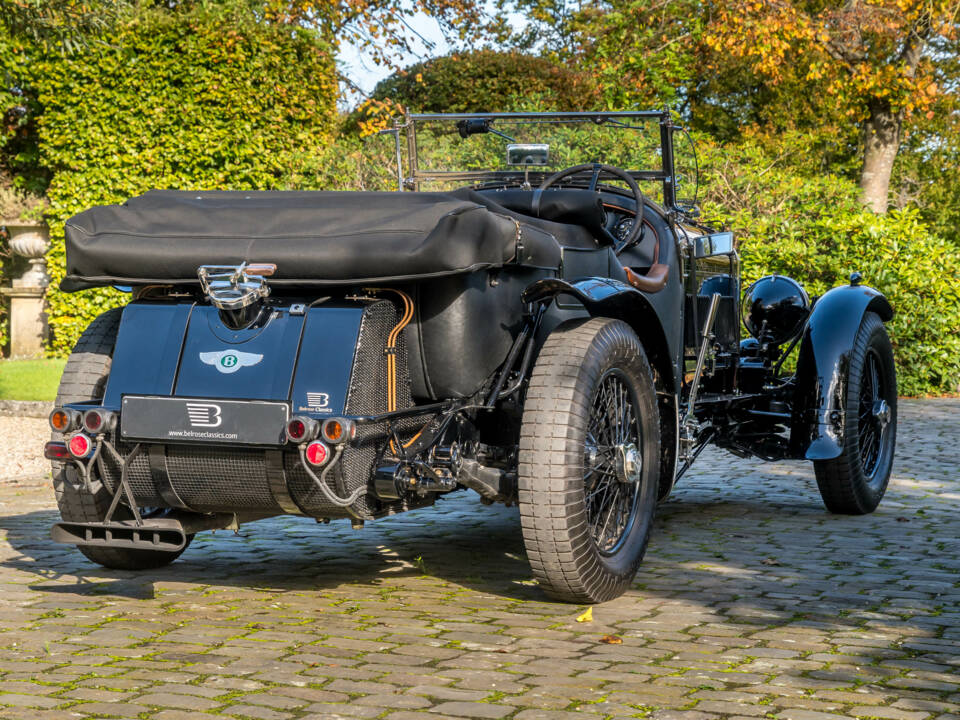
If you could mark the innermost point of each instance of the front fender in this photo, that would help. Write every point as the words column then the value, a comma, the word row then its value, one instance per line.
column 820, row 395
column 607, row 297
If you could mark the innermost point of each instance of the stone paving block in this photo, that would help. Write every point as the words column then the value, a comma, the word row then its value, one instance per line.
column 179, row 715
column 176, row 700
column 853, row 617
column 37, row 701
column 256, row 711
column 535, row 714
column 723, row 707
column 879, row 711
column 337, row 710
column 472, row 710
column 448, row 693
column 683, row 715
column 109, row 709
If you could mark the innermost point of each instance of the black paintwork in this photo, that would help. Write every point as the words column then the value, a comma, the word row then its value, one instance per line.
column 775, row 308
column 817, row 428
column 304, row 359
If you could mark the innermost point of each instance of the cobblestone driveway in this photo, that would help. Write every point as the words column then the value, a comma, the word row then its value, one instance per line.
column 752, row 602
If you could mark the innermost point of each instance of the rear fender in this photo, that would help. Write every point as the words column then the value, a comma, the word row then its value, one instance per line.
column 820, row 395
column 607, row 297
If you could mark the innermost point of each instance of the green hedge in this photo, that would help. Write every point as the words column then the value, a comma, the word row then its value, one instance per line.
column 190, row 100
column 810, row 227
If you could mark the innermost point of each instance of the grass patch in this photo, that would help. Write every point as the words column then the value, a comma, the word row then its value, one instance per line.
column 30, row 379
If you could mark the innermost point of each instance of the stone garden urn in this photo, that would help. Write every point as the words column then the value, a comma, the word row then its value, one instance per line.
column 28, row 318
column 30, row 240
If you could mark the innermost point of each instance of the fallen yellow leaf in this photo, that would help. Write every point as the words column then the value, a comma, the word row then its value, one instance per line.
column 587, row 615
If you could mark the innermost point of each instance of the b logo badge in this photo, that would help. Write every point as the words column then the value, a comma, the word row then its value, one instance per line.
column 318, row 400
column 229, row 361
column 204, row 415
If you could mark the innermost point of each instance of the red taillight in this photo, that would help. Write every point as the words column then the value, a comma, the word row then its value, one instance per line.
column 317, row 453
column 99, row 421
column 56, row 451
column 80, row 446
column 92, row 420
column 296, row 430
column 301, row 429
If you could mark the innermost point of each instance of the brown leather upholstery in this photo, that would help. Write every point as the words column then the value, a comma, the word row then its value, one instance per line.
column 654, row 281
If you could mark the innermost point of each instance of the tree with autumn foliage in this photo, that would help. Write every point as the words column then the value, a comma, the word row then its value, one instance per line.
column 869, row 65
column 874, row 60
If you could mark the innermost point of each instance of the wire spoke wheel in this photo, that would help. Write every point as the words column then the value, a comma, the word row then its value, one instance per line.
column 854, row 482
column 611, row 489
column 873, row 415
column 589, row 460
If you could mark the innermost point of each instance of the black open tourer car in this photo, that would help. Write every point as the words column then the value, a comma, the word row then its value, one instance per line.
column 519, row 319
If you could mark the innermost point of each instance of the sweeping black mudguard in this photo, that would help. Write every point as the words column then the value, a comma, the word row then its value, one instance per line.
column 608, row 297
column 817, row 428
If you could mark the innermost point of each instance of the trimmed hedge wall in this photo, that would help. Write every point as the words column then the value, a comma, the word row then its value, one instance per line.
column 187, row 100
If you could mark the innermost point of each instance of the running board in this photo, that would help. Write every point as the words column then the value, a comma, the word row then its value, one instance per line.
column 167, row 534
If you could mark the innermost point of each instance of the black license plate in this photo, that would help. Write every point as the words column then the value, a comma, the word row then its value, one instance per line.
column 174, row 419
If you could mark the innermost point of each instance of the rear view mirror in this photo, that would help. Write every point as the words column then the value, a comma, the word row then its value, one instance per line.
column 716, row 244
column 528, row 154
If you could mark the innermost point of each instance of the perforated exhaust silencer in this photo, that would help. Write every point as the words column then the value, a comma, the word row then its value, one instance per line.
column 167, row 534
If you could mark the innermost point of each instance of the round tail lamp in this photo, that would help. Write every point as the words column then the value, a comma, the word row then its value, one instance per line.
column 63, row 420
column 80, row 446
column 99, row 421
column 338, row 430
column 317, row 453
column 301, row 429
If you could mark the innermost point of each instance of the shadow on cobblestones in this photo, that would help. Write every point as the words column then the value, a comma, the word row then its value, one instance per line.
column 752, row 602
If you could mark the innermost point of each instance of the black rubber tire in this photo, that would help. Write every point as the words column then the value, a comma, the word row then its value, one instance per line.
column 85, row 378
column 845, row 485
column 563, row 554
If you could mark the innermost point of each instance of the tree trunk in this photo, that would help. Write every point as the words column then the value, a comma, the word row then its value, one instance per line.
column 881, row 144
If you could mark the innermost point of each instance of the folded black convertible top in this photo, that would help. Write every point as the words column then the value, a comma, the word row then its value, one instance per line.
column 163, row 236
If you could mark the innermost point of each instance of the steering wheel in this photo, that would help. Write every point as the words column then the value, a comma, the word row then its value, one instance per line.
column 598, row 169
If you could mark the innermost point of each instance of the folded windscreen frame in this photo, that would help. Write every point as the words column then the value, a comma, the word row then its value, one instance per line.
column 314, row 238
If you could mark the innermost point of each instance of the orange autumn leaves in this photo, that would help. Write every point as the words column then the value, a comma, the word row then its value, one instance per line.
column 849, row 52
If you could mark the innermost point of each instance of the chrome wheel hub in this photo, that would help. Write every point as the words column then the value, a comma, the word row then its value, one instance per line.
column 881, row 413
column 629, row 463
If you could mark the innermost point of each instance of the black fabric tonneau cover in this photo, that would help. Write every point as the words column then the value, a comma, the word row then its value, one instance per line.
column 163, row 236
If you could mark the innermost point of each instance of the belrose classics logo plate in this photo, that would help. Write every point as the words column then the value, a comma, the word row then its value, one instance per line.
column 229, row 361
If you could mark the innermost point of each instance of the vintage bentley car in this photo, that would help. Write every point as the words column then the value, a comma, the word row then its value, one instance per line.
column 518, row 319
